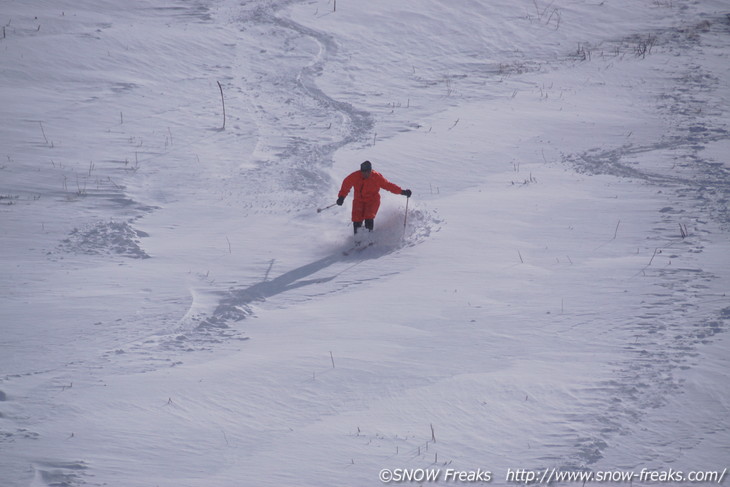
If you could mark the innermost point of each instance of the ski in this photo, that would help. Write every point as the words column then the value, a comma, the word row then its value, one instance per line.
column 358, row 247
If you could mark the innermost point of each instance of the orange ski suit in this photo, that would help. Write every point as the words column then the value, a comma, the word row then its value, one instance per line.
column 366, row 197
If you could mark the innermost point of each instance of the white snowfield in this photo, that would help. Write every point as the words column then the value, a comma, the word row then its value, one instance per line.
column 175, row 312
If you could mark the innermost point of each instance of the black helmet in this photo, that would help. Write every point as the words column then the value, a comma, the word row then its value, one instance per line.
column 366, row 166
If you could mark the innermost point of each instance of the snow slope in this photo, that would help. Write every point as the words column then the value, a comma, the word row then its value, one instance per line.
column 174, row 310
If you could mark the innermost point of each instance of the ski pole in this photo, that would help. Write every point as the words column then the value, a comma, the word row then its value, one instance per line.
column 405, row 217
column 320, row 210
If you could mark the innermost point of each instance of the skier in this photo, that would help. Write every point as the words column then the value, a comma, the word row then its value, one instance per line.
column 366, row 197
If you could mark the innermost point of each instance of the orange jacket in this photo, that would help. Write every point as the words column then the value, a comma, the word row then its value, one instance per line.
column 367, row 189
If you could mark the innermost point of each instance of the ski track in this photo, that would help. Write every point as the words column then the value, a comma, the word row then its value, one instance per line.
column 291, row 133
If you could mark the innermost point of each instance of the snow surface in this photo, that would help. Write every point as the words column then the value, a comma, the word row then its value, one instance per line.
column 175, row 312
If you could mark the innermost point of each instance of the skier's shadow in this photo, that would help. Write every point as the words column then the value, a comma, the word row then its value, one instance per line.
column 236, row 303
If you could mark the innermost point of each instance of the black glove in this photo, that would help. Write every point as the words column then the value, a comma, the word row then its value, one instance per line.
column 340, row 200
column 407, row 193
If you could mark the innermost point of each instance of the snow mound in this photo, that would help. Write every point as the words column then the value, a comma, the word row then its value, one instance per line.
column 106, row 238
